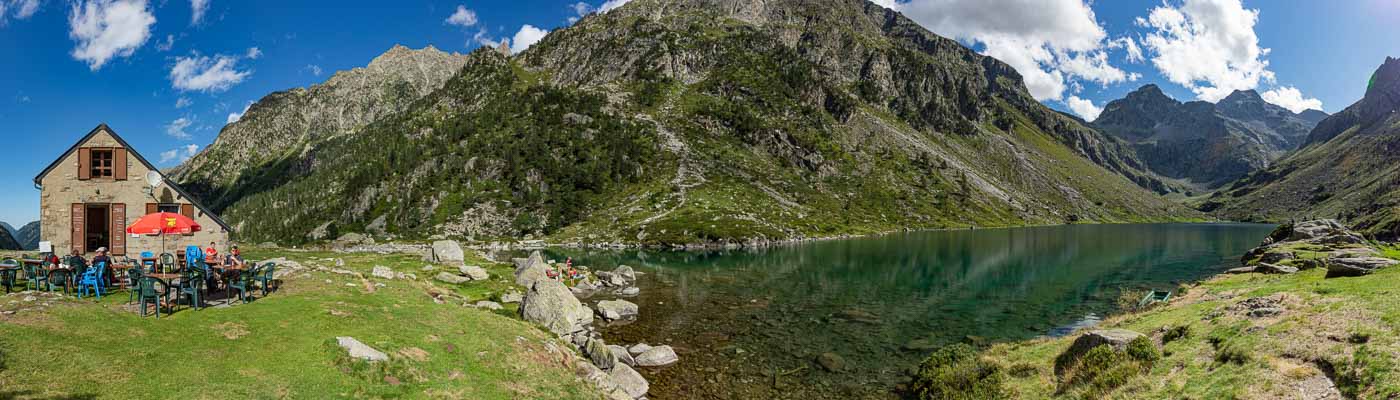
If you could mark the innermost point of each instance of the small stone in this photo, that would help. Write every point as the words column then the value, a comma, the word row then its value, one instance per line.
column 360, row 350
column 512, row 297
column 30, row 298
column 631, row 291
column 638, row 348
column 429, row 268
column 831, row 362
column 622, row 355
column 474, row 272
column 1265, row 312
column 489, row 305
column 382, row 272
column 613, row 310
column 451, row 278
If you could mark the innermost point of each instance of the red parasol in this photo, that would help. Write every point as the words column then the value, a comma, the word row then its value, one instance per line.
column 163, row 223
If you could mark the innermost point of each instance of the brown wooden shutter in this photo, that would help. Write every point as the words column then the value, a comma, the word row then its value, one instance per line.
column 118, row 232
column 119, row 164
column 79, row 239
column 188, row 211
column 84, row 163
column 152, row 208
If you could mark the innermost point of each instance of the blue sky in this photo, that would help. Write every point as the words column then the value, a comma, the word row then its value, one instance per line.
column 168, row 82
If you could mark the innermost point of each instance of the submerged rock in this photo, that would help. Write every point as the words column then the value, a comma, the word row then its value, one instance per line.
column 831, row 362
column 657, row 356
column 629, row 380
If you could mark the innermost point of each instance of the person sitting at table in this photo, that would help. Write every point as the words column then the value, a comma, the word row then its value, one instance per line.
column 235, row 258
column 211, row 254
column 102, row 257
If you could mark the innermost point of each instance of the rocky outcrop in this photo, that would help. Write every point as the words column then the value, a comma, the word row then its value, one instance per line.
column 657, row 356
column 550, row 304
column 531, row 270
column 1358, row 266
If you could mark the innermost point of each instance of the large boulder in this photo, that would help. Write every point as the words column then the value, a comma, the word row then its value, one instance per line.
column 1274, row 269
column 629, row 380
column 359, row 350
column 551, row 305
column 657, row 356
column 1118, row 338
column 600, row 354
column 622, row 355
column 1318, row 229
column 522, row 263
column 1356, row 266
column 625, row 272
column 445, row 251
column 534, row 269
column 613, row 310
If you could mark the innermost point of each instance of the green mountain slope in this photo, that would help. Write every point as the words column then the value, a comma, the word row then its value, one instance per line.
column 1349, row 168
column 675, row 122
column 28, row 236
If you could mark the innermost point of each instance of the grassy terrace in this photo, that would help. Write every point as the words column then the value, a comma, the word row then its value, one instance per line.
column 1341, row 330
column 283, row 345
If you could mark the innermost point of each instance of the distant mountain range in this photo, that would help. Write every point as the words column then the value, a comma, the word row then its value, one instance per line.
column 25, row 238
column 1348, row 168
column 1203, row 144
column 673, row 122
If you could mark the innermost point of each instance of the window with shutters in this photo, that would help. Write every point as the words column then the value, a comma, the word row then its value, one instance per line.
column 168, row 208
column 102, row 164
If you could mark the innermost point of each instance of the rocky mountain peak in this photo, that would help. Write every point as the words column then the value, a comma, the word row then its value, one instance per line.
column 1385, row 82
column 1381, row 102
column 1242, row 96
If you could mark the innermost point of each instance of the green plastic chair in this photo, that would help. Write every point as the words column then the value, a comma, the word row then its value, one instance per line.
column 33, row 275
column 152, row 290
column 167, row 262
column 191, row 284
column 264, row 276
column 60, row 277
column 243, row 283
column 133, row 276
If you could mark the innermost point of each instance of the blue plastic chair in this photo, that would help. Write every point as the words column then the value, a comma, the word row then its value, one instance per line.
column 92, row 278
column 193, row 254
column 148, row 261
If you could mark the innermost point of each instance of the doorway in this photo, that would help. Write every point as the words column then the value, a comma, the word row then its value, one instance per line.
column 98, row 227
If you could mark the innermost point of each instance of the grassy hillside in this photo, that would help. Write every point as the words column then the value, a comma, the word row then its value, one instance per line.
column 1333, row 336
column 283, row 345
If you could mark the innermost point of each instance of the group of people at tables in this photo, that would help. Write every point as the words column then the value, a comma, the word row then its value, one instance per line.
column 149, row 262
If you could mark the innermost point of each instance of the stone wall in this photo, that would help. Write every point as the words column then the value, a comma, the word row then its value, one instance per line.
column 62, row 188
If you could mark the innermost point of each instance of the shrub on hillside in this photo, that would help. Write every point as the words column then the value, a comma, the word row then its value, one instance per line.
column 1369, row 373
column 956, row 372
column 1104, row 368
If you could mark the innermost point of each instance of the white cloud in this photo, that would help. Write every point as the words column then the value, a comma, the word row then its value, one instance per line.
column 1291, row 98
column 167, row 44
column 315, row 70
column 207, row 74
column 526, row 37
column 105, row 29
column 1083, row 107
column 176, row 128
column 182, row 153
column 1130, row 46
column 1208, row 46
column 183, row 102
column 612, row 4
column 463, row 17
column 254, row 53
column 1049, row 42
column 197, row 9
column 24, row 8
column 581, row 8
column 234, row 117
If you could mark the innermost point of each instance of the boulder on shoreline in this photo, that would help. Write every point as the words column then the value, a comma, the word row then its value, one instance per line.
column 613, row 310
column 1274, row 269
column 622, row 355
column 534, row 269
column 1356, row 266
column 550, row 304
column 629, row 380
column 638, row 348
column 598, row 351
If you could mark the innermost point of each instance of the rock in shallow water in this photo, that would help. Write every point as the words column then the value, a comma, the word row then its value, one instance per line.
column 613, row 310
column 638, row 348
column 622, row 355
column 629, row 380
column 831, row 362
column 657, row 356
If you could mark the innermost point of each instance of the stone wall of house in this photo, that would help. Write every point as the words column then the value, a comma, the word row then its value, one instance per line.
column 62, row 188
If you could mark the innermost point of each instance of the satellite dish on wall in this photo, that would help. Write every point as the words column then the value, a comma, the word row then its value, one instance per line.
column 153, row 178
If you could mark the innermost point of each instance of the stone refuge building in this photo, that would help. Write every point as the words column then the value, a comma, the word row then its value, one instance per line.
column 94, row 190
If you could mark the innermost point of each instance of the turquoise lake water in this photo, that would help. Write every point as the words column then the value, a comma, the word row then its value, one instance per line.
column 749, row 323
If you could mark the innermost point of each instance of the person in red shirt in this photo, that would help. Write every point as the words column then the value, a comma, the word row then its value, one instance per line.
column 211, row 254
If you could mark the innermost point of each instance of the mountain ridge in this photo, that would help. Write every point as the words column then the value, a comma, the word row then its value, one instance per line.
column 625, row 128
column 1205, row 144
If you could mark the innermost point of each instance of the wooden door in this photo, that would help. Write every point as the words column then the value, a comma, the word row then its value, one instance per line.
column 78, row 221
column 117, row 235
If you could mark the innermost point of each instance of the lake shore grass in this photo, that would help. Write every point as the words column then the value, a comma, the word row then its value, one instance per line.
column 1333, row 336
column 284, row 345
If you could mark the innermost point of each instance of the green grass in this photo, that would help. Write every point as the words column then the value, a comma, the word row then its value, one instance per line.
column 1211, row 350
column 283, row 345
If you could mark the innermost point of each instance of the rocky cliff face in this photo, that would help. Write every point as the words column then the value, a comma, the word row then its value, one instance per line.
column 670, row 122
column 7, row 241
column 285, row 124
column 1205, row 144
column 1347, row 169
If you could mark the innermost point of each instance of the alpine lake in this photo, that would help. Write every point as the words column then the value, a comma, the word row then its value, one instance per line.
column 751, row 324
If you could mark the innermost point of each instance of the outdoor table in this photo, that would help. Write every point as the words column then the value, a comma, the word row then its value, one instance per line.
column 32, row 262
